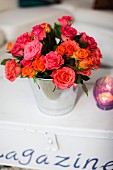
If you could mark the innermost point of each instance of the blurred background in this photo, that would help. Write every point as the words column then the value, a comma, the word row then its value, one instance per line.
column 95, row 17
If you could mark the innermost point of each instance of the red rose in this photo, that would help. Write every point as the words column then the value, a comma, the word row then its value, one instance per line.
column 17, row 50
column 39, row 32
column 23, row 39
column 96, row 56
column 68, row 33
column 86, row 72
column 12, row 70
column 26, row 62
column 64, row 78
column 65, row 20
column 92, row 44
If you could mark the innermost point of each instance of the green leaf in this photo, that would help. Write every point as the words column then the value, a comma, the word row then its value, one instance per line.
column 57, row 30
column 77, row 38
column 85, row 89
column 4, row 61
column 78, row 81
column 85, row 78
column 54, row 89
column 8, row 51
column 35, row 81
column 19, row 58
column 83, row 44
column 72, row 61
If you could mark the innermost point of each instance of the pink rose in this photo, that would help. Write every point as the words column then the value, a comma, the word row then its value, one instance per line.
column 68, row 33
column 63, row 78
column 90, row 40
column 32, row 49
column 53, row 60
column 17, row 50
column 39, row 32
column 23, row 39
column 26, row 63
column 12, row 70
column 65, row 20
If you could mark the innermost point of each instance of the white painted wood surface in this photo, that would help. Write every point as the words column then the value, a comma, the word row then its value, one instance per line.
column 30, row 139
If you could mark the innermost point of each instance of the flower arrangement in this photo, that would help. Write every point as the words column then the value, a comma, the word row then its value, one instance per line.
column 61, row 53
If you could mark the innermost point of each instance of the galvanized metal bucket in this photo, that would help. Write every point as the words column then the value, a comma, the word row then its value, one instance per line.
column 51, row 100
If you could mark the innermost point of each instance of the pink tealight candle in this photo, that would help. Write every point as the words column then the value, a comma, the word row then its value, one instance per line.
column 105, row 97
column 103, row 93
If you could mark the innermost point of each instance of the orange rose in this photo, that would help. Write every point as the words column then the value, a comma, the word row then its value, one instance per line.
column 70, row 47
column 60, row 49
column 38, row 65
column 9, row 46
column 81, row 54
column 86, row 63
column 46, row 26
column 28, row 71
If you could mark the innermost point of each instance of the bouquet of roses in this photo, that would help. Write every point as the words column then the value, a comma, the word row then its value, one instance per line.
column 60, row 53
